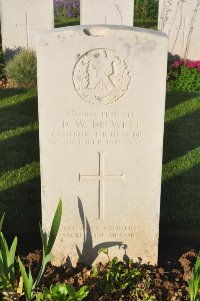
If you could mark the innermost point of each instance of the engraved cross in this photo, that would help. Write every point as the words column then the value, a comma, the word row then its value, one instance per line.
column 101, row 178
column 27, row 25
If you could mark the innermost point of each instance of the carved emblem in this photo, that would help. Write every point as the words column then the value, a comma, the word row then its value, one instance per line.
column 101, row 76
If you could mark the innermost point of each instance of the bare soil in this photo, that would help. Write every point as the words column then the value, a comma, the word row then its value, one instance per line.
column 7, row 83
column 167, row 281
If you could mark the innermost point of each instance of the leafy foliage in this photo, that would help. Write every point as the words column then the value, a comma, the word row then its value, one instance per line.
column 7, row 267
column 119, row 276
column 23, row 69
column 29, row 284
column 62, row 292
column 194, row 283
column 48, row 244
column 146, row 9
column 8, row 281
column 27, row 281
column 7, row 257
column 2, row 66
column 184, row 75
column 1, row 222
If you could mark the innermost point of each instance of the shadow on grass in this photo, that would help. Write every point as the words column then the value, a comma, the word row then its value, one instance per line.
column 23, row 213
column 180, row 215
column 175, row 98
column 5, row 93
column 180, row 197
column 18, row 114
column 19, row 151
column 180, row 201
column 19, row 167
column 180, row 192
column 181, row 136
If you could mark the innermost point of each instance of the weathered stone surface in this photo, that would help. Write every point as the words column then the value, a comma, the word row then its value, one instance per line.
column 101, row 109
column 108, row 12
column 21, row 20
column 181, row 21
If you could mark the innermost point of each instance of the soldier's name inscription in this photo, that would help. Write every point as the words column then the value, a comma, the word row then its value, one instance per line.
column 99, row 128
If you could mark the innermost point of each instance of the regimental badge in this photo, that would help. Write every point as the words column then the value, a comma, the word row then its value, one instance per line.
column 101, row 76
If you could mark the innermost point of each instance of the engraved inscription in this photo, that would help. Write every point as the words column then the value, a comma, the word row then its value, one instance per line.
column 102, row 232
column 99, row 128
column 101, row 178
column 101, row 77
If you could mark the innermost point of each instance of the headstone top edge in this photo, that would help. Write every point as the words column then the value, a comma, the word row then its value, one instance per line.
column 99, row 28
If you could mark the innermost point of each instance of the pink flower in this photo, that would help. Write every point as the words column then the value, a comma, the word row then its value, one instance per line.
column 175, row 64
column 188, row 63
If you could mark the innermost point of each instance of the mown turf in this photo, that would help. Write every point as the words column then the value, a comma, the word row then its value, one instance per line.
column 67, row 22
column 180, row 206
column 19, row 162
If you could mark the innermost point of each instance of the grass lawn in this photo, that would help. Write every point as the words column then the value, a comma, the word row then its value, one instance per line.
column 19, row 164
column 67, row 22
column 180, row 205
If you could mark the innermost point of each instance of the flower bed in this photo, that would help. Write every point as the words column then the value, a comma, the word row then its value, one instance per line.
column 25, row 279
column 184, row 75
column 67, row 8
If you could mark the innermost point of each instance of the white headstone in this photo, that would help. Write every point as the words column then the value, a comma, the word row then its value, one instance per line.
column 108, row 12
column 101, row 109
column 181, row 21
column 21, row 20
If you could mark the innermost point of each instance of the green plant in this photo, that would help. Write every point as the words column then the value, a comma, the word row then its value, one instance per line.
column 2, row 66
column 23, row 68
column 146, row 9
column 146, row 297
column 47, row 244
column 7, row 267
column 7, row 258
column 122, row 277
column 62, row 292
column 184, row 75
column 1, row 222
column 119, row 276
column 194, row 282
column 9, row 288
column 143, row 289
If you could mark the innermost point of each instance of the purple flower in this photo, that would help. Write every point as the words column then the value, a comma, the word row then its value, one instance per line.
column 67, row 8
